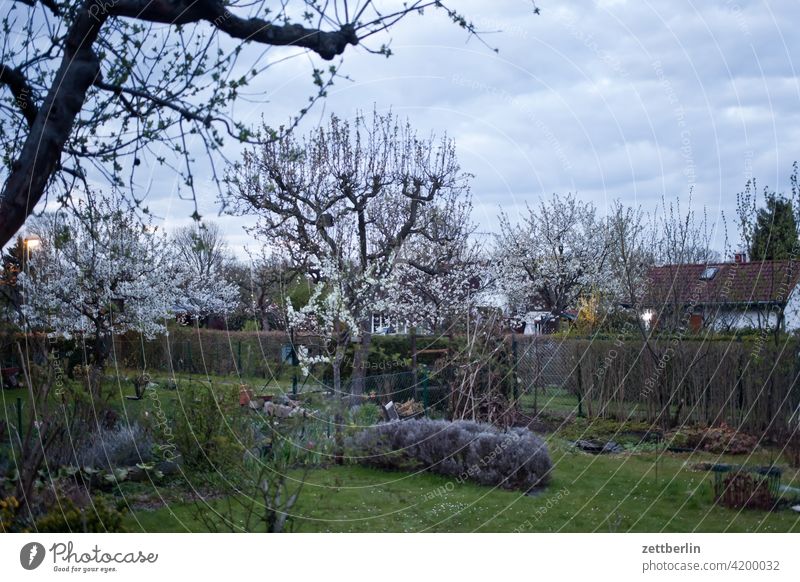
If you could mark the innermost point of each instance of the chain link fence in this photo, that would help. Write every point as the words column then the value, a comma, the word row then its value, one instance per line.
column 545, row 376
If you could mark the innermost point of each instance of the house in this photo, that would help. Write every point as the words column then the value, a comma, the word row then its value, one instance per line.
column 383, row 324
column 724, row 296
column 546, row 322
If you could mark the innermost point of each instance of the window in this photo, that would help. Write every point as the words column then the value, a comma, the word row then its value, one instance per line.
column 709, row 273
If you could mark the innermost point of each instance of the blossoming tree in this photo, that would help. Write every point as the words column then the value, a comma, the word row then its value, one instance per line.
column 341, row 204
column 443, row 273
column 556, row 254
column 102, row 272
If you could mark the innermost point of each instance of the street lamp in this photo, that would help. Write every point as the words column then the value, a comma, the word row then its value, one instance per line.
column 29, row 243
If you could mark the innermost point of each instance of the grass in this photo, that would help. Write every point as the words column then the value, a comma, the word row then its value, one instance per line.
column 118, row 386
column 552, row 400
column 642, row 490
column 613, row 493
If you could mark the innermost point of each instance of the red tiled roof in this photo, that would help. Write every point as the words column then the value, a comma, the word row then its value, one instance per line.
column 740, row 283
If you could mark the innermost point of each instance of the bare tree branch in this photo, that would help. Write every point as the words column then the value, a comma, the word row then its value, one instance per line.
column 327, row 44
column 106, row 81
column 21, row 90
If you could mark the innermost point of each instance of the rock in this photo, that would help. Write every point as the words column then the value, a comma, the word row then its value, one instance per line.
column 796, row 508
column 282, row 411
column 284, row 400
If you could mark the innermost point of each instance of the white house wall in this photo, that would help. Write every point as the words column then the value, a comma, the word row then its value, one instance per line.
column 793, row 311
column 756, row 318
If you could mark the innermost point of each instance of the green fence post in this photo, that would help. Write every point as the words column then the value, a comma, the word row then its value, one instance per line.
column 239, row 358
column 425, row 392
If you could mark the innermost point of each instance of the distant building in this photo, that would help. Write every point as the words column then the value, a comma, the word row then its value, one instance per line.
column 382, row 324
column 725, row 296
column 546, row 322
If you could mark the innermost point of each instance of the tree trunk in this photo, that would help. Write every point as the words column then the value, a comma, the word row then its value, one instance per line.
column 338, row 399
column 40, row 155
column 360, row 360
column 338, row 358
column 102, row 349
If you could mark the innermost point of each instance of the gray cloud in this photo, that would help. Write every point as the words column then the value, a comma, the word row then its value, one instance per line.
column 612, row 99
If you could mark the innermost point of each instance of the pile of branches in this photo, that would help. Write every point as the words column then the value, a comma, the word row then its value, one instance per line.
column 480, row 378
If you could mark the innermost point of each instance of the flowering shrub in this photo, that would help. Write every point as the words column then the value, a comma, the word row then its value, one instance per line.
column 512, row 459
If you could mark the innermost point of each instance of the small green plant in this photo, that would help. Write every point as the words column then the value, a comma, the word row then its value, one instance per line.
column 209, row 426
column 265, row 484
column 100, row 516
column 8, row 512
column 363, row 416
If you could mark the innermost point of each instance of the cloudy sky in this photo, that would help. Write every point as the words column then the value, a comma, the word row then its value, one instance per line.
column 609, row 99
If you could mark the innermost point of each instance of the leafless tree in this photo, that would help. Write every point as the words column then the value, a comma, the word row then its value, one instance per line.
column 202, row 247
column 109, row 85
column 682, row 238
column 266, row 281
column 670, row 241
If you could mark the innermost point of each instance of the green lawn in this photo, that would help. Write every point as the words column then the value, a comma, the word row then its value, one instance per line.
column 619, row 493
column 640, row 490
column 118, row 386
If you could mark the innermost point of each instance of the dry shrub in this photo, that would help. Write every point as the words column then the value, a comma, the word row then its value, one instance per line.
column 123, row 446
column 512, row 459
column 720, row 439
column 480, row 378
column 410, row 408
column 745, row 490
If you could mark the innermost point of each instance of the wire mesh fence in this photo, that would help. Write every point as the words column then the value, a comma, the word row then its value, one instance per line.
column 429, row 391
column 544, row 371
column 749, row 385
column 202, row 351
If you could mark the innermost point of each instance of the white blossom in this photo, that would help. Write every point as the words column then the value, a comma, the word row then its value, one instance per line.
column 102, row 272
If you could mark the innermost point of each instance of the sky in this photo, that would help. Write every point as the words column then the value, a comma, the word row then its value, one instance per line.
column 608, row 99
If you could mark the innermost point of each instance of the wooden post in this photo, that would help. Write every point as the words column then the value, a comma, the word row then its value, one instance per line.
column 515, row 367
column 579, row 379
column 425, row 395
